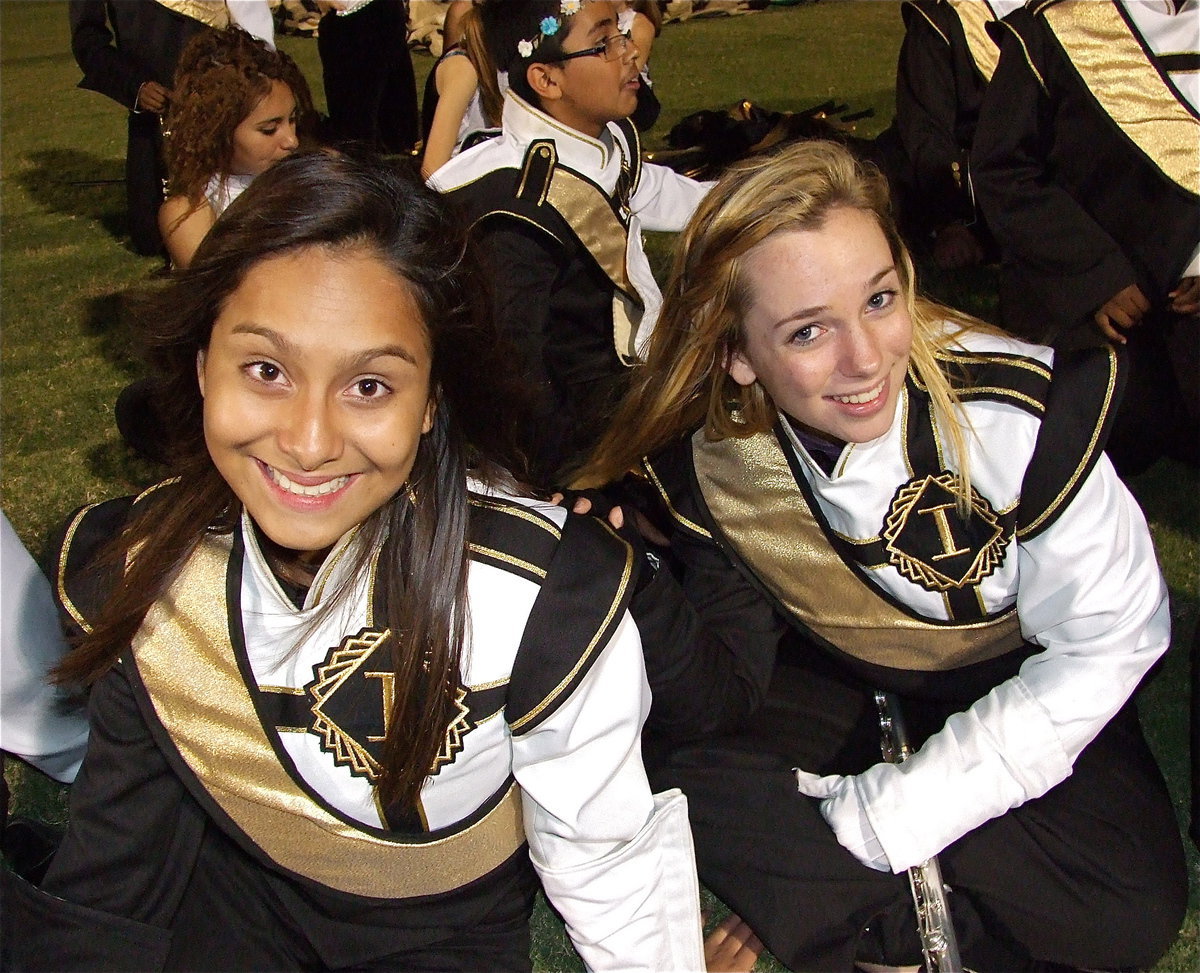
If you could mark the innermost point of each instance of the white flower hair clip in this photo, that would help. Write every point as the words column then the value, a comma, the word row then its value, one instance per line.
column 549, row 26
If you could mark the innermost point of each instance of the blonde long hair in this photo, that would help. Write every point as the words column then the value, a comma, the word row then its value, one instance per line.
column 684, row 383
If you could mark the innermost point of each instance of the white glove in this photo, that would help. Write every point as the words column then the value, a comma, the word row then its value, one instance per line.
column 842, row 808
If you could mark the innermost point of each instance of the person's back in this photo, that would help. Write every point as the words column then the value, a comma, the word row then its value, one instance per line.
column 557, row 203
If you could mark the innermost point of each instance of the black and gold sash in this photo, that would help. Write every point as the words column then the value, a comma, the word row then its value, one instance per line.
column 564, row 203
column 185, row 660
column 974, row 17
column 1123, row 78
column 752, row 494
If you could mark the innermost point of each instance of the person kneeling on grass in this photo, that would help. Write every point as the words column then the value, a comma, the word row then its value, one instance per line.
column 352, row 691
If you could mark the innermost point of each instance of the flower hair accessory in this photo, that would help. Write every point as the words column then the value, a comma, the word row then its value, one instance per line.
column 549, row 26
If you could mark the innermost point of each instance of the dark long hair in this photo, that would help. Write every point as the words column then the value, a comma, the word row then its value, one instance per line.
column 334, row 201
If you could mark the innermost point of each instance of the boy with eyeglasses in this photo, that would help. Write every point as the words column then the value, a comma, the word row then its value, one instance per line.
column 558, row 203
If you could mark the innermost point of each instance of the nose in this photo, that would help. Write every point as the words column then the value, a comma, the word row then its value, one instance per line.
column 861, row 355
column 309, row 434
column 289, row 142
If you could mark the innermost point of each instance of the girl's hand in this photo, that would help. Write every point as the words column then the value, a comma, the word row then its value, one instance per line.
column 732, row 947
column 1123, row 310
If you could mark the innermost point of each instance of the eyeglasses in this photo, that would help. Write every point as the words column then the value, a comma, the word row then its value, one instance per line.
column 610, row 49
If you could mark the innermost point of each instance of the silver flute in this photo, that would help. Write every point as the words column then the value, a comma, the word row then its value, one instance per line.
column 939, row 942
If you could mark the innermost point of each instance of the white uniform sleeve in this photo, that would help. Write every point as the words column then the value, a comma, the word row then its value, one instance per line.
column 254, row 17
column 38, row 723
column 1091, row 593
column 616, row 861
column 665, row 200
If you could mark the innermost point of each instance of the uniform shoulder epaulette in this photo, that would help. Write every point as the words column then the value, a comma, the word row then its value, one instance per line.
column 670, row 473
column 83, row 578
column 583, row 598
column 1079, row 410
column 512, row 537
column 1017, row 380
column 516, row 193
column 932, row 12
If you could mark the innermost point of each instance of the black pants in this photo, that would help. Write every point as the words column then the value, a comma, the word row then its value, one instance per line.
column 144, row 174
column 370, row 88
column 1091, row 874
column 235, row 915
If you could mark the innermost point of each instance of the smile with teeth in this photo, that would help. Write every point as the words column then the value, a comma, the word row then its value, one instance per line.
column 860, row 397
column 300, row 490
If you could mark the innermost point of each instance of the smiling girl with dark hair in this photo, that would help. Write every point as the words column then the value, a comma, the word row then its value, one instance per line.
column 351, row 692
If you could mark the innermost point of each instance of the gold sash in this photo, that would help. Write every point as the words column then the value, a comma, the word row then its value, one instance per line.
column 752, row 494
column 184, row 655
column 1115, row 68
column 590, row 215
column 975, row 15
column 213, row 13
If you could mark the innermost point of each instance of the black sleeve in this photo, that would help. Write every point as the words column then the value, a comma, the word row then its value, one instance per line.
column 105, row 68
column 927, row 119
column 134, row 831
column 709, row 636
column 1067, row 264
column 526, row 265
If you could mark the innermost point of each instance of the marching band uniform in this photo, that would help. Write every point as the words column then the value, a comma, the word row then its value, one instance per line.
column 1014, row 641
column 1079, row 82
column 946, row 60
column 227, row 800
column 559, row 218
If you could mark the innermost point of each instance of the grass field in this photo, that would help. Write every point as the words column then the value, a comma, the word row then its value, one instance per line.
column 65, row 264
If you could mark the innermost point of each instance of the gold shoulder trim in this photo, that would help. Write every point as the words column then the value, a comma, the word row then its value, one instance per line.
column 916, row 9
column 974, row 17
column 604, row 628
column 749, row 487
column 666, row 499
column 63, row 598
column 516, row 510
column 1109, row 58
column 1033, row 68
column 1086, row 457
column 184, row 656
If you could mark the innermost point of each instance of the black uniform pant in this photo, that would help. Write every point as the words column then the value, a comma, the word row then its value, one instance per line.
column 1091, row 874
column 370, row 88
column 232, row 914
column 144, row 174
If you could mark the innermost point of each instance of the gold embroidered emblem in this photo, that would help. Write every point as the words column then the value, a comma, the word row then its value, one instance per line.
column 341, row 665
column 458, row 728
column 352, row 702
column 931, row 546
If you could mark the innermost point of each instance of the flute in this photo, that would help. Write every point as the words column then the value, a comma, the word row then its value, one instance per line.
column 935, row 926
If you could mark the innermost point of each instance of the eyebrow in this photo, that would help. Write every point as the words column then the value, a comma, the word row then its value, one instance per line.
column 602, row 25
column 818, row 308
column 285, row 344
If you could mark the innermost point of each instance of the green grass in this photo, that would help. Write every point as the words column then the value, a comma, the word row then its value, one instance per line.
column 65, row 264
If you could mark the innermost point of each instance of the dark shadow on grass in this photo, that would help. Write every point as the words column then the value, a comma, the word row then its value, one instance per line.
column 108, row 318
column 78, row 184
column 114, row 462
column 1167, row 493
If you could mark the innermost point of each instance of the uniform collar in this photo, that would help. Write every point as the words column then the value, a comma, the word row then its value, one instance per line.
column 523, row 123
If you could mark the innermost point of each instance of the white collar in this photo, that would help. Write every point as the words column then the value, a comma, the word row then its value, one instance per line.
column 1165, row 8
column 328, row 578
column 522, row 124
